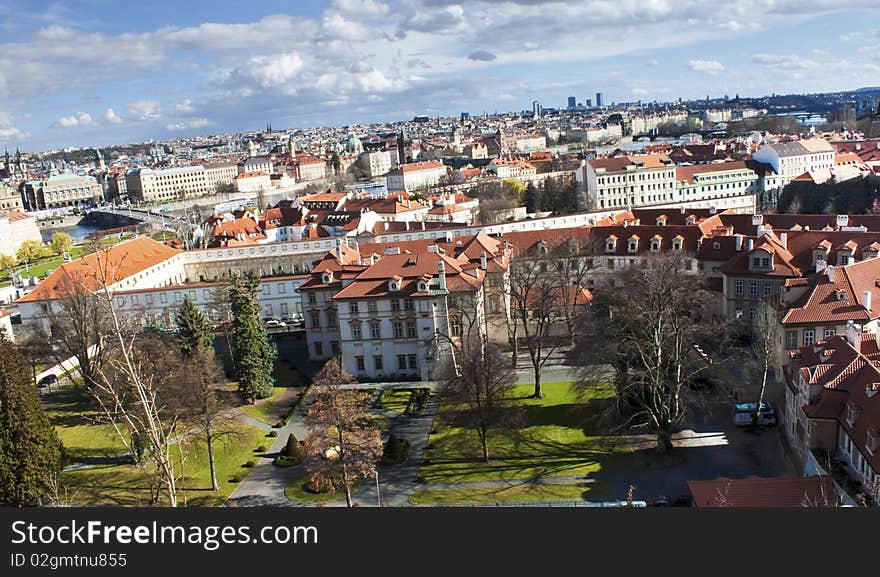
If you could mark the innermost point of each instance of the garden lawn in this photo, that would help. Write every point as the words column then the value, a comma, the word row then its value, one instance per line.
column 558, row 439
column 76, row 423
column 272, row 409
column 125, row 484
column 394, row 400
column 519, row 493
column 296, row 491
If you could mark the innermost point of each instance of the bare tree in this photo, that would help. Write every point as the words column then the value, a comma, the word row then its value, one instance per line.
column 570, row 269
column 133, row 385
column 343, row 445
column 77, row 321
column 479, row 393
column 765, row 337
column 535, row 304
column 650, row 320
column 204, row 405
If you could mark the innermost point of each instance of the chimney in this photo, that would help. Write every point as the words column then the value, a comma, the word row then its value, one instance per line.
column 757, row 219
column 866, row 300
column 842, row 220
column 448, row 236
column 852, row 333
column 783, row 240
column 423, row 225
column 760, row 231
column 407, row 225
column 820, row 264
column 441, row 269
column 739, row 242
column 751, row 244
column 483, row 263
column 386, row 225
column 682, row 210
column 829, row 270
column 712, row 210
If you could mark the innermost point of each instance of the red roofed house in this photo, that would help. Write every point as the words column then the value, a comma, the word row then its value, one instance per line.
column 382, row 312
column 142, row 263
column 814, row 491
column 832, row 409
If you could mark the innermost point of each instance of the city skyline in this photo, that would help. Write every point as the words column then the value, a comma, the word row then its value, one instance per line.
column 157, row 72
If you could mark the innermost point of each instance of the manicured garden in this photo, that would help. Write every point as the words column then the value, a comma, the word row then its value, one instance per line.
column 300, row 491
column 559, row 438
column 108, row 478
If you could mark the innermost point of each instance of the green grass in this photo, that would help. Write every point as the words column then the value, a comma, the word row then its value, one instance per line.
column 296, row 491
column 394, row 400
column 126, row 485
column 558, row 438
column 123, row 483
column 41, row 267
column 78, row 427
column 272, row 409
column 520, row 493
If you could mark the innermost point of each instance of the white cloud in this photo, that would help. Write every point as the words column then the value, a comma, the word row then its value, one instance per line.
column 706, row 66
column 185, row 105
column 144, row 109
column 362, row 7
column 80, row 119
column 639, row 92
column 272, row 70
column 188, row 124
column 110, row 117
column 652, row 62
column 8, row 131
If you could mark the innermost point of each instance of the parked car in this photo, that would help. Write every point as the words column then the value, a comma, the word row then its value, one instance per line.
column 273, row 323
column 48, row 380
column 743, row 414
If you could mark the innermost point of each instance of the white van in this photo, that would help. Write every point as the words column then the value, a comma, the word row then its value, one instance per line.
column 744, row 412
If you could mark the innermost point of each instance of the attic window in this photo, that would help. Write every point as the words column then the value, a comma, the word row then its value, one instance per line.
column 661, row 221
column 690, row 220
column 840, row 295
column 676, row 244
column 393, row 286
column 633, row 246
column 716, row 246
column 611, row 245
column 422, row 286
column 655, row 245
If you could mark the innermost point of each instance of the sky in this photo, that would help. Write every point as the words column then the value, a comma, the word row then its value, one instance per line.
column 102, row 72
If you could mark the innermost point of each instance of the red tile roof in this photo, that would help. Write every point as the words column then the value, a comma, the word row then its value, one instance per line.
column 113, row 265
column 764, row 492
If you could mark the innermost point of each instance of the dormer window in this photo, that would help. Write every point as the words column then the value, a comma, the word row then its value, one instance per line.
column 327, row 277
column 840, row 295
column 611, row 244
column 655, row 243
column 691, row 220
column 871, row 390
column 844, row 258
column 633, row 244
column 676, row 244
column 760, row 260
column 394, row 284
column 661, row 220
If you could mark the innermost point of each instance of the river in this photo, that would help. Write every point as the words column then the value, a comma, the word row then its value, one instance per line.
column 78, row 232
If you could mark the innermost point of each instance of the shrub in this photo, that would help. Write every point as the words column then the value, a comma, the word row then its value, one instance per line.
column 272, row 434
column 293, row 449
column 261, row 449
column 396, row 450
column 250, row 464
column 235, row 479
column 278, row 425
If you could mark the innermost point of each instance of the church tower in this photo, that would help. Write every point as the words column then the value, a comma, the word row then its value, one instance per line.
column 99, row 160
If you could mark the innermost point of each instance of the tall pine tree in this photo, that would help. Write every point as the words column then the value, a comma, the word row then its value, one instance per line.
column 196, row 330
column 253, row 352
column 533, row 198
column 30, row 452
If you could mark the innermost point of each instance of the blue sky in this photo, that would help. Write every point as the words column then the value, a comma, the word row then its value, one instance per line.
column 99, row 72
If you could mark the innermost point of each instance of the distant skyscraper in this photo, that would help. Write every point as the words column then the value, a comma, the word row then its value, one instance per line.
column 572, row 101
column 599, row 99
column 536, row 108
column 589, row 102
column 465, row 115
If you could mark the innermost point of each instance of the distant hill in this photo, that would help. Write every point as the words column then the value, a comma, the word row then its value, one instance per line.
column 868, row 89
